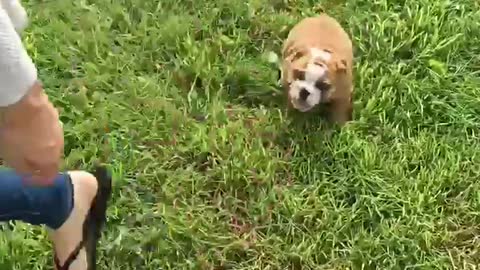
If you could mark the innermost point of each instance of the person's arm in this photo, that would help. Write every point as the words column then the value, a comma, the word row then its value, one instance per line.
column 17, row 71
column 31, row 137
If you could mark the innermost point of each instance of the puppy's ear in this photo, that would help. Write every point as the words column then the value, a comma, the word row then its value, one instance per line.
column 298, row 74
column 341, row 66
column 294, row 53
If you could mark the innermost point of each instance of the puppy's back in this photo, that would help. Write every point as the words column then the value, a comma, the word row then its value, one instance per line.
column 320, row 31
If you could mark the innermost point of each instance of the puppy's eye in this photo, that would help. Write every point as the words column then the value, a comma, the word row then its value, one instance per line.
column 299, row 74
column 320, row 64
column 322, row 85
column 297, row 55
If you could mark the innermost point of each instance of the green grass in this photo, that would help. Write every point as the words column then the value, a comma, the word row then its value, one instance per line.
column 210, row 174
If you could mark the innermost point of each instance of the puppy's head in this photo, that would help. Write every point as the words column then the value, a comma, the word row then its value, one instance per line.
column 310, row 77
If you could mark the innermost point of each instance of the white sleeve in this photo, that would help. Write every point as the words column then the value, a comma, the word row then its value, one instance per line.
column 17, row 71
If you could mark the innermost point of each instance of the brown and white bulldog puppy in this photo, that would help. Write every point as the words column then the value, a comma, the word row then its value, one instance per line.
column 317, row 67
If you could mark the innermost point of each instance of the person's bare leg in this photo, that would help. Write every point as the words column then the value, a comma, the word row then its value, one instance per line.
column 73, row 209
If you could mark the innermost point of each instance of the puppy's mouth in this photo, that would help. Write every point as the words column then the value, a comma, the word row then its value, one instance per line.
column 304, row 109
column 300, row 104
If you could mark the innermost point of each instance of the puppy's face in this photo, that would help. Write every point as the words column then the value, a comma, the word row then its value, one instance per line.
column 311, row 76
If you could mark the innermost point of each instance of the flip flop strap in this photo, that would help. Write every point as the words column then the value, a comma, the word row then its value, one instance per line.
column 70, row 258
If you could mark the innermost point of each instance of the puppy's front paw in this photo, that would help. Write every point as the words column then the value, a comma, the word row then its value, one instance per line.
column 340, row 112
column 18, row 15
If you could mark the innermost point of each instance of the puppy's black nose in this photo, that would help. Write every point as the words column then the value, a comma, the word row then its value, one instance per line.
column 304, row 94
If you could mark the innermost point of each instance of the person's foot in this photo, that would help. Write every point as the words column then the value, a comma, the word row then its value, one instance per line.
column 75, row 242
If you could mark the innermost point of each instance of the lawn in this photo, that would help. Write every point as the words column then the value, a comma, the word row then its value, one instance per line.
column 210, row 173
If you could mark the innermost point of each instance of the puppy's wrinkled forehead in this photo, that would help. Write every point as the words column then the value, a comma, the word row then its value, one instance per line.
column 312, row 66
column 321, row 56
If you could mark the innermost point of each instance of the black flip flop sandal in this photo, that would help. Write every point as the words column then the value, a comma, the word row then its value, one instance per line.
column 93, row 224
